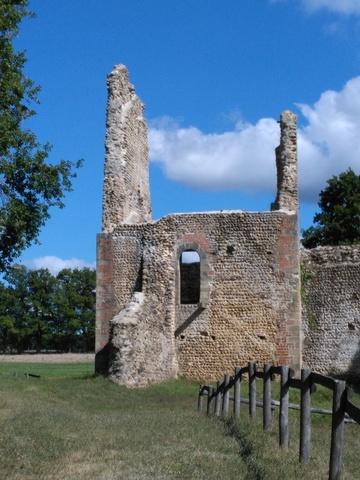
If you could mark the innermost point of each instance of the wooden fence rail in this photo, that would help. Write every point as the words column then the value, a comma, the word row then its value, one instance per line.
column 343, row 410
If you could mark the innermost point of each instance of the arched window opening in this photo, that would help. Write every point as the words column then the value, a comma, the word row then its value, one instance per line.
column 189, row 277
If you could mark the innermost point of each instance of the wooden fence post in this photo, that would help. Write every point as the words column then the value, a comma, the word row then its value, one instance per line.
column 218, row 400
column 226, row 396
column 337, row 429
column 252, row 389
column 267, row 397
column 305, row 416
column 200, row 399
column 209, row 400
column 237, row 392
column 284, row 408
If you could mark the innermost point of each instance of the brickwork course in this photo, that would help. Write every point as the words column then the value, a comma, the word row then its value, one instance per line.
column 249, row 307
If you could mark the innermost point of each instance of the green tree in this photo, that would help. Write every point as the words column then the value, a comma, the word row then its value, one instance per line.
column 15, row 322
column 76, row 309
column 41, row 287
column 28, row 306
column 29, row 186
column 338, row 222
column 8, row 330
column 40, row 311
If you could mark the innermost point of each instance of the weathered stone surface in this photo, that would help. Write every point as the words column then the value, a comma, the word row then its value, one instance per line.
column 286, row 165
column 252, row 307
column 249, row 304
column 142, row 341
column 331, row 309
column 126, row 197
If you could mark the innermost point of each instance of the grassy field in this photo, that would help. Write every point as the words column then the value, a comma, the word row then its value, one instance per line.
column 68, row 424
column 266, row 461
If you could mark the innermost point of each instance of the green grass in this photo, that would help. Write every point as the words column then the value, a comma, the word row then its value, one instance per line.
column 69, row 424
column 47, row 370
column 265, row 460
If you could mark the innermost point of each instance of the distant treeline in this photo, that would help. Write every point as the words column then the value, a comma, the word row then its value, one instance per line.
column 40, row 311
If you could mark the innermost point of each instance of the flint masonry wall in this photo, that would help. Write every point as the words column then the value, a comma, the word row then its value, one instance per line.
column 249, row 299
column 249, row 304
column 331, row 309
column 126, row 200
column 126, row 197
column 252, row 293
column 142, row 333
column 286, row 165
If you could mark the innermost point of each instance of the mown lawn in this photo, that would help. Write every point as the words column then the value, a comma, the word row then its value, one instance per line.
column 265, row 460
column 69, row 424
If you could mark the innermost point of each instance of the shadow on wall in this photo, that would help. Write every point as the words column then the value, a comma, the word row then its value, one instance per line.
column 102, row 358
column 352, row 375
column 189, row 320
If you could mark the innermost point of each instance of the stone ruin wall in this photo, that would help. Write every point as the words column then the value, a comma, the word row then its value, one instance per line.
column 331, row 309
column 286, row 165
column 249, row 305
column 250, row 292
column 140, row 345
column 126, row 196
column 142, row 340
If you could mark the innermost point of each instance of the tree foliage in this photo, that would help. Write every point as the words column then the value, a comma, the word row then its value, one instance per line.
column 40, row 311
column 338, row 222
column 29, row 186
column 75, row 300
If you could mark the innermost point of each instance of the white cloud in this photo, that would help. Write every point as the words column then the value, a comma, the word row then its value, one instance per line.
column 217, row 161
column 346, row 7
column 330, row 142
column 340, row 6
column 243, row 158
column 55, row 264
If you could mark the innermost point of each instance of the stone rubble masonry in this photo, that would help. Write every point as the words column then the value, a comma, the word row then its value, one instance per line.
column 253, row 292
column 286, row 165
column 249, row 304
column 126, row 197
column 331, row 308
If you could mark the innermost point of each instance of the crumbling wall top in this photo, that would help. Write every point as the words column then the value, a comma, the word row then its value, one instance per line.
column 286, row 165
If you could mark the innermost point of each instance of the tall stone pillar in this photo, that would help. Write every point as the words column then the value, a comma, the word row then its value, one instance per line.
column 126, row 197
column 289, row 338
column 286, row 165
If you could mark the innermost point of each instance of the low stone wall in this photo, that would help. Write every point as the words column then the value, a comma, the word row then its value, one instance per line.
column 331, row 309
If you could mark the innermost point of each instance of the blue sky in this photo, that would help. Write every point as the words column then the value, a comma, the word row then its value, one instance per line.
column 214, row 76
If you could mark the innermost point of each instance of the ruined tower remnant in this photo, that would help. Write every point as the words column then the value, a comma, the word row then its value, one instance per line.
column 126, row 180
column 150, row 326
column 286, row 165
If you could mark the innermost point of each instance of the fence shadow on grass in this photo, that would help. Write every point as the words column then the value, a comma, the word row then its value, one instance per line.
column 343, row 410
